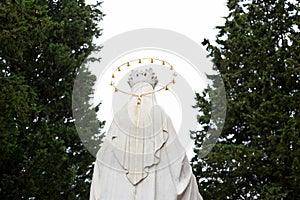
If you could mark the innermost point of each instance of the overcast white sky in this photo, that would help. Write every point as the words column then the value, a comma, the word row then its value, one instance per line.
column 196, row 19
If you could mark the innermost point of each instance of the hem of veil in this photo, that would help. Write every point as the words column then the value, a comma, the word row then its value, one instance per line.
column 146, row 168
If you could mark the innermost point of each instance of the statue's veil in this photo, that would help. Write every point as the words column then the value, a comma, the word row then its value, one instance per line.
column 138, row 133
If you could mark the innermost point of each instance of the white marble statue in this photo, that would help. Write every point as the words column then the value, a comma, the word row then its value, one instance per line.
column 141, row 157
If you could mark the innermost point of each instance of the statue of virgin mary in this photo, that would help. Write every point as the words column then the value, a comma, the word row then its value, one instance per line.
column 141, row 157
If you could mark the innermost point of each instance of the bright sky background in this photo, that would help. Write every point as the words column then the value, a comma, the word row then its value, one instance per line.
column 195, row 19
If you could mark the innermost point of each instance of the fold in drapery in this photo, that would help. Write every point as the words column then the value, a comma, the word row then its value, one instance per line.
column 138, row 151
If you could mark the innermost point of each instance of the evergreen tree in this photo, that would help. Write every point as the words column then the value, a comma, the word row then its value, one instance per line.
column 257, row 155
column 43, row 44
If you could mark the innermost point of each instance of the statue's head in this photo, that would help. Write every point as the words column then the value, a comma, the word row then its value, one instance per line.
column 143, row 75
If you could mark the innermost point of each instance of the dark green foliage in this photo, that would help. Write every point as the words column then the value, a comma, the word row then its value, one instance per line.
column 258, row 153
column 42, row 45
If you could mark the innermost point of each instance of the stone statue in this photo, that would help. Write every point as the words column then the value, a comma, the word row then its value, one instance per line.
column 141, row 157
